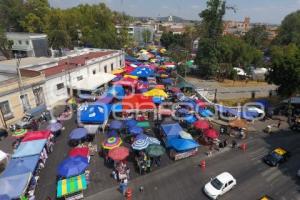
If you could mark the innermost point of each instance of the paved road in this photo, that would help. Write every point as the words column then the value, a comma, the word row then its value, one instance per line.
column 184, row 179
column 231, row 92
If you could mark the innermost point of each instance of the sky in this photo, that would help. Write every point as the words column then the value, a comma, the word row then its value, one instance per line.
column 265, row 11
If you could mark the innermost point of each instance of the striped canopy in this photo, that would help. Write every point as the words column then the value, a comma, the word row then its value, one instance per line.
column 140, row 144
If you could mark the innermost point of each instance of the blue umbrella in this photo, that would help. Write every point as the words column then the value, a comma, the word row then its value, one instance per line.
column 140, row 144
column 141, row 137
column 78, row 134
column 117, row 107
column 130, row 123
column 136, row 130
column 167, row 81
column 53, row 127
column 116, row 124
column 4, row 197
column 157, row 100
column 182, row 111
column 72, row 166
column 112, row 133
column 190, row 119
column 142, row 72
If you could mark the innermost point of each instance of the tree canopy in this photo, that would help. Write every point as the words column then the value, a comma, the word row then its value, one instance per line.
column 257, row 37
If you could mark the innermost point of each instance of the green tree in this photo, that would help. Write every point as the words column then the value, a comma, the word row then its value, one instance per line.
column 5, row 45
column 32, row 23
column 146, row 34
column 285, row 69
column 257, row 37
column 289, row 31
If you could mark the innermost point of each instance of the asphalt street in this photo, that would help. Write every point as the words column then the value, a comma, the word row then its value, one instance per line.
column 184, row 180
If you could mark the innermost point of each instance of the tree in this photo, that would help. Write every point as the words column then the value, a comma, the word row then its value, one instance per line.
column 257, row 37
column 146, row 34
column 289, row 31
column 5, row 45
column 285, row 70
column 166, row 39
column 32, row 23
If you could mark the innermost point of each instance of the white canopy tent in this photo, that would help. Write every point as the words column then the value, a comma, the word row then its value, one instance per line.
column 91, row 83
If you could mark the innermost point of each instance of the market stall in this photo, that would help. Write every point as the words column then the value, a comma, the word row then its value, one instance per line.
column 71, row 188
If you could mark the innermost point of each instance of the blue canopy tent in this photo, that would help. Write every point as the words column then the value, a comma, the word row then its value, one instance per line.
column 130, row 59
column 181, row 145
column 72, row 166
column 19, row 166
column 116, row 124
column 157, row 100
column 171, row 130
column 78, row 133
column 116, row 91
column 130, row 123
column 96, row 113
column 190, row 119
column 29, row 148
column 142, row 72
column 264, row 102
column 15, row 186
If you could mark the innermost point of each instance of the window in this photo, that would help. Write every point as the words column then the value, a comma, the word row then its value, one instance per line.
column 5, row 109
column 112, row 66
column 60, row 86
column 25, row 102
column 94, row 71
column 79, row 78
column 120, row 63
column 27, row 42
column 38, row 95
column 105, row 69
column 20, row 42
column 230, row 182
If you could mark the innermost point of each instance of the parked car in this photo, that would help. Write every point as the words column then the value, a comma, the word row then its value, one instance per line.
column 277, row 156
column 3, row 133
column 219, row 185
column 37, row 113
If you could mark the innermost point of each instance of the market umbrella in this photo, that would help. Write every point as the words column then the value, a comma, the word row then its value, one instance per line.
column 211, row 133
column 155, row 150
column 201, row 124
column 182, row 111
column 53, row 127
column 78, row 133
column 167, row 81
column 142, row 72
column 118, row 153
column 175, row 90
column 112, row 142
column 112, row 133
column 157, row 100
column 142, row 85
column 79, row 151
column 156, row 92
column 136, row 130
column 72, row 166
column 19, row 132
column 130, row 123
column 140, row 144
column 36, row 135
column 153, row 140
column 201, row 103
column 116, row 124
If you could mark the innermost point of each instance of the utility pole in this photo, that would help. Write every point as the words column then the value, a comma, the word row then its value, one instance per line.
column 20, row 82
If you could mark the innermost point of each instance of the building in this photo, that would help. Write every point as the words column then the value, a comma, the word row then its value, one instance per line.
column 136, row 31
column 237, row 28
column 29, row 44
column 19, row 95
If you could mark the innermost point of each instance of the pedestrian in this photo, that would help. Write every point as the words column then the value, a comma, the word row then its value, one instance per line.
column 141, row 188
column 279, row 124
column 148, row 164
column 225, row 143
column 114, row 175
column 128, row 172
column 233, row 144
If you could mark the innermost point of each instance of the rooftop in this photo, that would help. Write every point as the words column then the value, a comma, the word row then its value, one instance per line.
column 19, row 34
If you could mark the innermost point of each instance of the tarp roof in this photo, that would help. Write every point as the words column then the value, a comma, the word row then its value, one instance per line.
column 92, row 82
column 182, row 144
column 15, row 186
column 36, row 135
column 29, row 148
column 19, row 166
column 137, row 102
column 171, row 130
column 96, row 113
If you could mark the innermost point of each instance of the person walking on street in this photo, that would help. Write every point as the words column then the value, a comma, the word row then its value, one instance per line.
column 279, row 124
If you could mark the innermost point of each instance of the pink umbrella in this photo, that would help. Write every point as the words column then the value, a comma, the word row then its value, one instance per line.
column 201, row 124
column 201, row 103
column 211, row 133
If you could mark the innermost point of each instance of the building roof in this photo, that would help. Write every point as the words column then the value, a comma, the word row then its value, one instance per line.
column 26, row 62
column 28, row 35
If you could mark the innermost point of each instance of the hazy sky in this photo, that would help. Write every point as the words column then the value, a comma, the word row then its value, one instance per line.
column 269, row 11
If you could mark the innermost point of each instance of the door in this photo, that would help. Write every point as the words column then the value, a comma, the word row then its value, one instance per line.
column 25, row 102
column 228, row 187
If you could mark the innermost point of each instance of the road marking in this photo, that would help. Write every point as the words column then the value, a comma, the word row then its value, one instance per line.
column 261, row 149
column 275, row 174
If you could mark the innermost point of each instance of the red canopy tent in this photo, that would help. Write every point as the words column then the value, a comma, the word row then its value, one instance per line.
column 126, row 82
column 128, row 69
column 79, row 151
column 201, row 124
column 211, row 133
column 201, row 103
column 36, row 135
column 137, row 102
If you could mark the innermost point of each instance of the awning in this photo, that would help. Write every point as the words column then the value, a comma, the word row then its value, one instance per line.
column 96, row 113
column 71, row 186
column 137, row 102
column 29, row 148
column 15, row 186
column 92, row 82
column 171, row 130
column 36, row 135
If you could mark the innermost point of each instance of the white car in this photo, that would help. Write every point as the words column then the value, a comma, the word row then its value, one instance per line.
column 219, row 185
